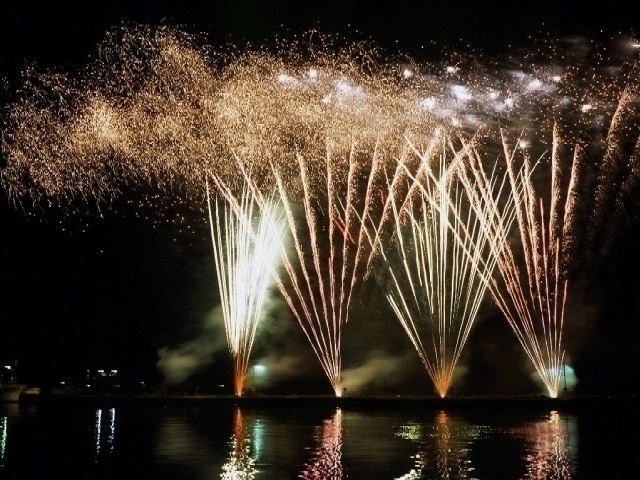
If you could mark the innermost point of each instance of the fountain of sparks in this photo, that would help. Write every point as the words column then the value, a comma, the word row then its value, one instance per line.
column 330, row 249
column 534, row 269
column 439, row 261
column 532, row 289
column 246, row 244
column 326, row 137
column 327, row 126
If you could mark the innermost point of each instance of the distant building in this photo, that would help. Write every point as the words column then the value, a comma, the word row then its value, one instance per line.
column 102, row 380
column 9, row 374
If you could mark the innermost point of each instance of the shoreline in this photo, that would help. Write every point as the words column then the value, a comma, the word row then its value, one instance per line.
column 355, row 402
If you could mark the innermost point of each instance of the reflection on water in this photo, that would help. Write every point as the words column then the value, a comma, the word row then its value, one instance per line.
column 208, row 450
column 326, row 455
column 313, row 443
column 554, row 442
column 180, row 446
column 104, row 433
column 3, row 438
column 444, row 447
column 241, row 464
column 447, row 442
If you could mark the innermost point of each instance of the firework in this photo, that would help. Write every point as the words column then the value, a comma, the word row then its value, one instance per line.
column 326, row 135
column 329, row 251
column 134, row 116
column 328, row 246
column 246, row 246
column 439, row 261
column 531, row 291
column 554, row 201
column 340, row 133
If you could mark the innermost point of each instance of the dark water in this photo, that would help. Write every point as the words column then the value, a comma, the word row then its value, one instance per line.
column 314, row 442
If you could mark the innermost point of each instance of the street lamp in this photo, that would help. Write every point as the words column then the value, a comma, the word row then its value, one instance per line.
column 257, row 371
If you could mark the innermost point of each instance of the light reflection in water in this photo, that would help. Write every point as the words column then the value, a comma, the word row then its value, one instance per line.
column 184, row 442
column 104, row 432
column 179, row 444
column 240, row 464
column 3, row 439
column 445, row 446
column 326, row 458
column 554, row 444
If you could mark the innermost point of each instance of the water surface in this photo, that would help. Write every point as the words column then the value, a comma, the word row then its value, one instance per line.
column 223, row 440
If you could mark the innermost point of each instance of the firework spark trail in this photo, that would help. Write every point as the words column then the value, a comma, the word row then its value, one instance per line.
column 394, row 187
column 329, row 249
column 618, row 170
column 544, row 318
column 532, row 294
column 312, row 313
column 158, row 110
column 246, row 253
column 296, row 284
column 443, row 266
column 341, row 128
column 137, row 116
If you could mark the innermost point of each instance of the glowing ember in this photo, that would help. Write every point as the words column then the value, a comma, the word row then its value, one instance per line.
column 441, row 264
column 337, row 132
column 246, row 245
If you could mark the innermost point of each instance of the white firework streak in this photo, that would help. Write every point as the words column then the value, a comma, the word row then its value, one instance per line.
column 328, row 257
column 245, row 236
column 532, row 292
column 444, row 262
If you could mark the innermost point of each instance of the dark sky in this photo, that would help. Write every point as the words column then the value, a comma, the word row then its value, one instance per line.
column 81, row 292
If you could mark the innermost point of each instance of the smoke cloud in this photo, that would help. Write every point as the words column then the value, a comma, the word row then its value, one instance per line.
column 381, row 370
column 179, row 363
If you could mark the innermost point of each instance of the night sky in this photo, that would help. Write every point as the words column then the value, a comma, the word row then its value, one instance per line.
column 114, row 289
